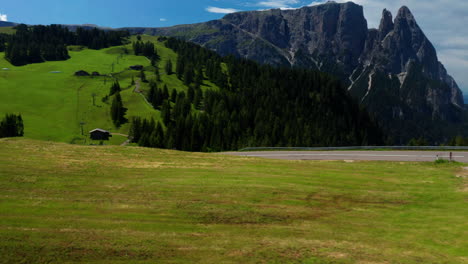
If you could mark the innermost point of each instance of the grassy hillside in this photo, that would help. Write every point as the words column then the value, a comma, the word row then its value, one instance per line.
column 7, row 30
column 68, row 204
column 53, row 101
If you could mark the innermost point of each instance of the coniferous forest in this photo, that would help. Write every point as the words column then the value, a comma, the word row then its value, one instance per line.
column 255, row 106
column 33, row 44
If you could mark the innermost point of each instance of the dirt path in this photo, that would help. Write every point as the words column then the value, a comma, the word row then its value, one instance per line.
column 137, row 86
column 119, row 134
column 126, row 142
column 138, row 91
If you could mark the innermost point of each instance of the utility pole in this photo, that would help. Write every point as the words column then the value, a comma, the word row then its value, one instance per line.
column 82, row 124
column 94, row 98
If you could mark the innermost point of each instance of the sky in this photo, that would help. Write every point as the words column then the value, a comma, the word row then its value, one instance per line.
column 445, row 22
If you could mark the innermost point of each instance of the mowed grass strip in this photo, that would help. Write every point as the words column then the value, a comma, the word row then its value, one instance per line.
column 64, row 203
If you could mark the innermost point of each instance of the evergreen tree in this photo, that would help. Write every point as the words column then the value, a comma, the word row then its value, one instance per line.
column 159, row 136
column 157, row 73
column 188, row 75
column 166, row 112
column 143, row 76
column 11, row 126
column 115, row 88
column 118, row 110
column 173, row 95
column 168, row 67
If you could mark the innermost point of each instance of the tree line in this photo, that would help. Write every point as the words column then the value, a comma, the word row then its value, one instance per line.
column 33, row 44
column 11, row 126
column 255, row 106
column 146, row 49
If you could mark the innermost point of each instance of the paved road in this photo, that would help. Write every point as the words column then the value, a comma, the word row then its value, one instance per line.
column 355, row 155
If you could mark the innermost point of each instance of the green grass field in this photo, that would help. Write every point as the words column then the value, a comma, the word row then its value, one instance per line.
column 64, row 203
column 7, row 30
column 53, row 101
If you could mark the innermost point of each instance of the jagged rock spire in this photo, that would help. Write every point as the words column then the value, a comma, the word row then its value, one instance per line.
column 405, row 19
column 386, row 23
column 405, row 12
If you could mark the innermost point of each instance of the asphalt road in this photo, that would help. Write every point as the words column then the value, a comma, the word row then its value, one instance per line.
column 356, row 155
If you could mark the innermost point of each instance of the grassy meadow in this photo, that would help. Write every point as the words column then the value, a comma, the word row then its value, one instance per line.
column 53, row 102
column 64, row 203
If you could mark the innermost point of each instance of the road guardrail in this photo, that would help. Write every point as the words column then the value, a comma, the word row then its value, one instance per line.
column 441, row 148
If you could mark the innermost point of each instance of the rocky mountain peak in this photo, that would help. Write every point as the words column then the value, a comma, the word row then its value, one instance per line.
column 405, row 20
column 405, row 12
column 386, row 23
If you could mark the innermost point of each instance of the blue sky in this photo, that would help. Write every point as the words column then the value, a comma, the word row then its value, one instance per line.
column 115, row 13
column 443, row 21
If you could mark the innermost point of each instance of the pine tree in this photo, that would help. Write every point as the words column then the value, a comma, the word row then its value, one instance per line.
column 166, row 112
column 188, row 75
column 118, row 110
column 159, row 140
column 173, row 95
column 165, row 94
column 143, row 76
column 115, row 88
column 157, row 73
column 136, row 129
column 190, row 93
column 168, row 67
column 11, row 126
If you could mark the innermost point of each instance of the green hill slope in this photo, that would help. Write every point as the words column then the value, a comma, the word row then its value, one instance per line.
column 54, row 102
column 67, row 204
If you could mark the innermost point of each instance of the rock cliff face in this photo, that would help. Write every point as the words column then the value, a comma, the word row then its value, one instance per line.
column 393, row 70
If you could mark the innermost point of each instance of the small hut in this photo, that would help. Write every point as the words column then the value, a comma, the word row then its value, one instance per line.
column 136, row 67
column 81, row 73
column 99, row 134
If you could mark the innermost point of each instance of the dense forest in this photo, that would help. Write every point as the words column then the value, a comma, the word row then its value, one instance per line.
column 255, row 106
column 33, row 44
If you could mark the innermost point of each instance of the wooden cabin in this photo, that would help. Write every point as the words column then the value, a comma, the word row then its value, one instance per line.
column 99, row 134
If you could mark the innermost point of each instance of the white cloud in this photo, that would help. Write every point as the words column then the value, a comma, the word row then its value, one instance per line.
column 443, row 21
column 284, row 4
column 3, row 17
column 218, row 10
column 163, row 19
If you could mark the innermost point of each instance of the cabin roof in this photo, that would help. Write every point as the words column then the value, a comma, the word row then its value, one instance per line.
column 99, row 130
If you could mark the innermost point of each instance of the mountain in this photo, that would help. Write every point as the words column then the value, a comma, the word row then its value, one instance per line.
column 7, row 24
column 393, row 70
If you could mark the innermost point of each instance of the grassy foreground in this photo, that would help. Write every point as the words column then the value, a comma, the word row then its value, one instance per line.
column 64, row 203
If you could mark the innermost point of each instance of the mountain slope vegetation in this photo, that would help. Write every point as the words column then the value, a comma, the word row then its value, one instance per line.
column 54, row 102
column 212, row 103
column 255, row 106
